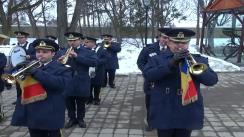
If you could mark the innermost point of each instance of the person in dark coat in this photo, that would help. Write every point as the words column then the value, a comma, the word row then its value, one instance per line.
column 172, row 112
column 3, row 61
column 22, row 42
column 45, row 117
column 97, row 74
column 78, row 90
column 3, row 41
column 112, row 64
column 146, row 53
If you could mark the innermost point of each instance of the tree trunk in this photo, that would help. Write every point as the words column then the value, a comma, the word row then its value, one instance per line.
column 233, row 24
column 210, row 32
column 5, row 20
column 98, row 19
column 93, row 16
column 153, row 21
column 198, row 24
column 18, row 23
column 44, row 19
column 35, row 31
column 76, row 16
column 80, row 27
column 61, row 22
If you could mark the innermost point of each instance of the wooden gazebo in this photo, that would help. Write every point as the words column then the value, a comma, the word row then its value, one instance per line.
column 235, row 7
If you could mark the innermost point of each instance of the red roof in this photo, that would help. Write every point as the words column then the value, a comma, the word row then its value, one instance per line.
column 225, row 5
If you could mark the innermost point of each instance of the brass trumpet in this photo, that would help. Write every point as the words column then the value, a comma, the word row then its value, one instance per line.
column 12, row 78
column 194, row 67
column 65, row 58
column 106, row 43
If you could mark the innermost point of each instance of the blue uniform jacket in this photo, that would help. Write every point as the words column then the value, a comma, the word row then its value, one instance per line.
column 113, row 62
column 3, row 61
column 166, row 110
column 49, row 113
column 29, row 49
column 100, row 69
column 145, row 54
column 81, row 82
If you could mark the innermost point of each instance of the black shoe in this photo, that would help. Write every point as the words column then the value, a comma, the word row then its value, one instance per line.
column 8, row 87
column 97, row 102
column 1, row 116
column 112, row 86
column 82, row 123
column 71, row 123
column 14, row 103
column 89, row 102
column 148, row 128
column 104, row 86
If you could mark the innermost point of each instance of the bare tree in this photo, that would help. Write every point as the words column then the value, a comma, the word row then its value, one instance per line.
column 34, row 27
column 8, row 8
column 62, row 23
column 44, row 18
column 116, row 12
column 76, row 16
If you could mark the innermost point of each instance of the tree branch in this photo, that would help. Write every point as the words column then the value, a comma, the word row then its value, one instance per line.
column 24, row 6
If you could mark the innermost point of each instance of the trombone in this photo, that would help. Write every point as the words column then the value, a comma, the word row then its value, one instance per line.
column 195, row 68
column 19, row 75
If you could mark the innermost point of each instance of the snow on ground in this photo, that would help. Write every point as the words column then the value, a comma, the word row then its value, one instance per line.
column 129, row 53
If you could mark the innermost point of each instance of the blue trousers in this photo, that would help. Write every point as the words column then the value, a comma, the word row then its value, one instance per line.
column 174, row 132
column 76, row 107
column 110, row 73
column 44, row 133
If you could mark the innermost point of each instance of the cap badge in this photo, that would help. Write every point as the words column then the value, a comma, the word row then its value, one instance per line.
column 180, row 35
column 71, row 36
column 42, row 44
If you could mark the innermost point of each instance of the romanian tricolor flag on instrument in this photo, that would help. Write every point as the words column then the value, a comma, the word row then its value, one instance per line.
column 32, row 90
column 189, row 91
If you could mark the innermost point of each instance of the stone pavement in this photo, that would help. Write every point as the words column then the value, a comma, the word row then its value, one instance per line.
column 122, row 111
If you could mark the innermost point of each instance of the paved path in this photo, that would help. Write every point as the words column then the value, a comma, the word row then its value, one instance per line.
column 122, row 110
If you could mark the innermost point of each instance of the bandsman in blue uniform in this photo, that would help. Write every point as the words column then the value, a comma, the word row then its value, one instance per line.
column 146, row 53
column 113, row 48
column 97, row 73
column 78, row 91
column 3, row 41
column 3, row 61
column 22, row 42
column 172, row 112
column 45, row 117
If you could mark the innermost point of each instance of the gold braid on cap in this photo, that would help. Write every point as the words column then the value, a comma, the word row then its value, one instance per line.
column 180, row 38
column 43, row 45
